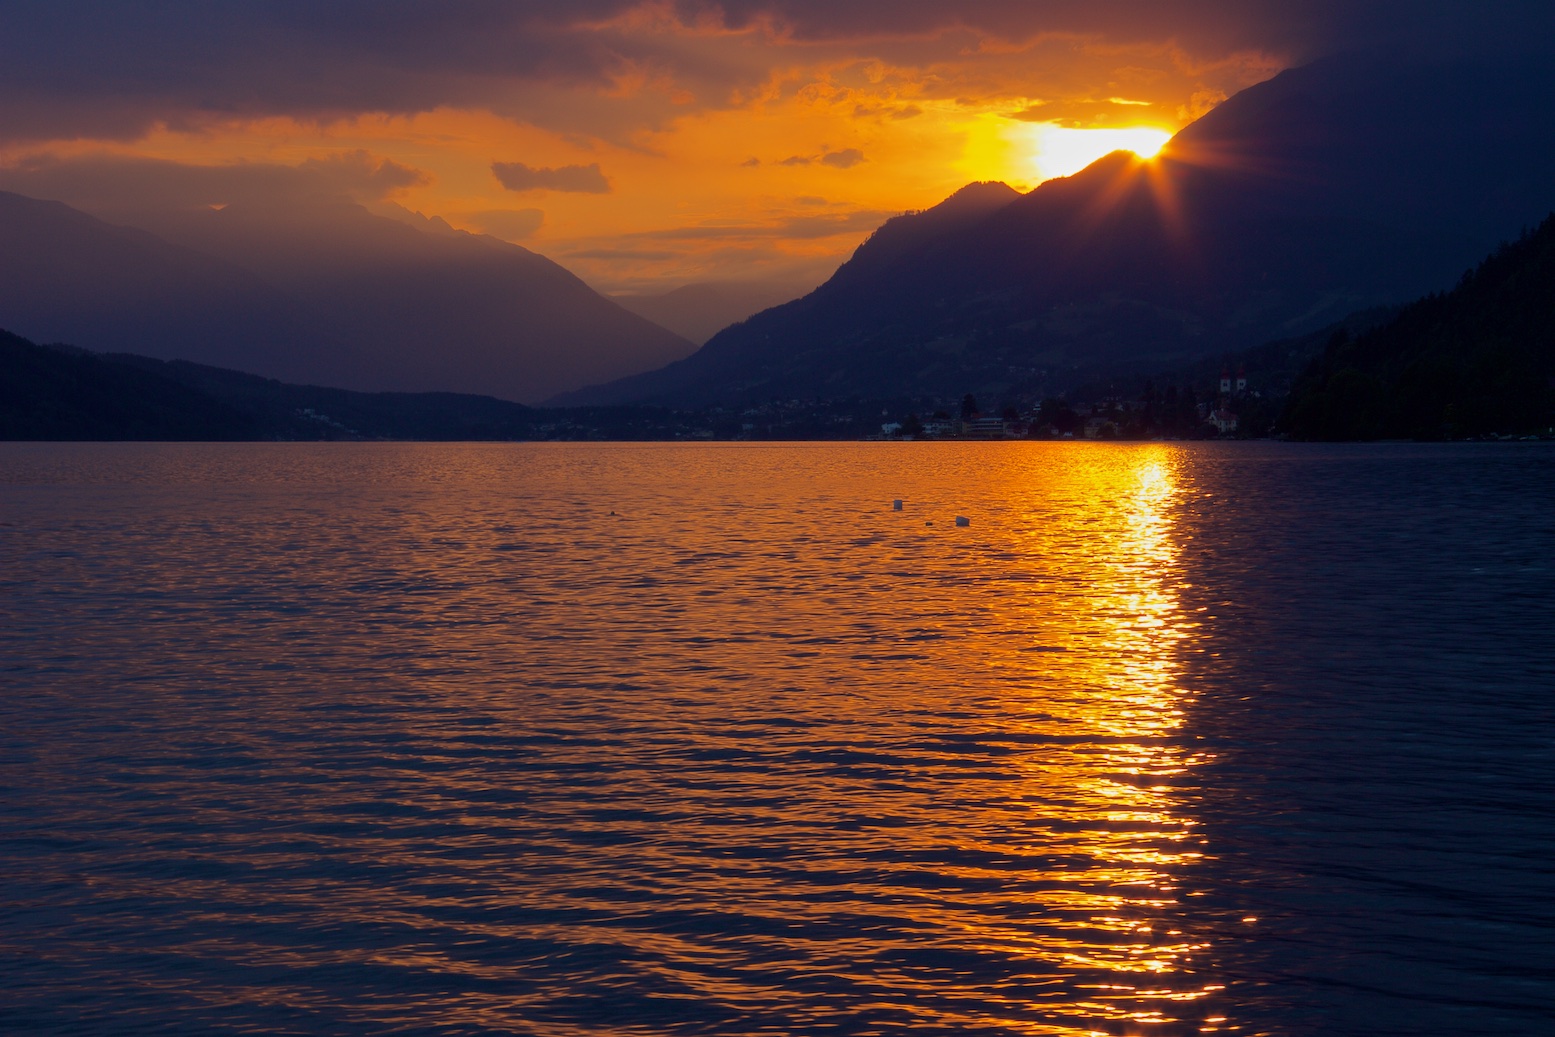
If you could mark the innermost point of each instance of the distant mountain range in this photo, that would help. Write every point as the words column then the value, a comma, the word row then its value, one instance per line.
column 699, row 311
column 1348, row 184
column 327, row 294
column 1478, row 360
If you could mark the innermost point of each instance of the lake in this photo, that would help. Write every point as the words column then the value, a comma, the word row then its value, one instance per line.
column 664, row 739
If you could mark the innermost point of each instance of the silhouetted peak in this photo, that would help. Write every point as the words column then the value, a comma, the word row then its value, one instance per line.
column 1120, row 161
column 981, row 196
column 971, row 204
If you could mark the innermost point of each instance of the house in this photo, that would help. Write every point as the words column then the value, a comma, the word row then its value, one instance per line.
column 938, row 427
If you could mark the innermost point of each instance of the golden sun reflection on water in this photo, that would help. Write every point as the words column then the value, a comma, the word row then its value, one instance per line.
column 1126, row 715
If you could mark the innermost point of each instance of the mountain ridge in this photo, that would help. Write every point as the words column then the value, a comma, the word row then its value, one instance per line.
column 333, row 294
column 1251, row 225
column 1476, row 360
column 63, row 393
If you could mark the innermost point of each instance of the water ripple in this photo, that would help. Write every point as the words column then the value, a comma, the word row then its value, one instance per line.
column 661, row 740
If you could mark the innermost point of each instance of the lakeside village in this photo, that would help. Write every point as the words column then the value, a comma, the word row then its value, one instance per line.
column 1155, row 414
column 1228, row 410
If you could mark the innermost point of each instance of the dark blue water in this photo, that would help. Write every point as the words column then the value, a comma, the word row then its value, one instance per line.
column 664, row 739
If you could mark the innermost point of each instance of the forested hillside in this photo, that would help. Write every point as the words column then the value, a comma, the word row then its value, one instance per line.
column 1478, row 360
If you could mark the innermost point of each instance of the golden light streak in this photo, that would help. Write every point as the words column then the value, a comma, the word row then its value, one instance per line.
column 1056, row 150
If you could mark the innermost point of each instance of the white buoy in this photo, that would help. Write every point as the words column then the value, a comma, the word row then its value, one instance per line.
column 896, row 505
column 962, row 520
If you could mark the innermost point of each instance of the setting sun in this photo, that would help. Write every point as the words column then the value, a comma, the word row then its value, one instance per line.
column 1063, row 151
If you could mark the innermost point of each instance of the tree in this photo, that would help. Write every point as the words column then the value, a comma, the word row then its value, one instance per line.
column 1057, row 414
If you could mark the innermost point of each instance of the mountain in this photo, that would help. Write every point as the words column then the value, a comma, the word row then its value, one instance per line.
column 745, row 362
column 52, row 394
column 66, row 276
column 698, row 311
column 1478, row 360
column 325, row 293
column 1351, row 183
column 66, row 393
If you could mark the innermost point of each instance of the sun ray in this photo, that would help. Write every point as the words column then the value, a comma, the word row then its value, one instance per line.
column 1058, row 150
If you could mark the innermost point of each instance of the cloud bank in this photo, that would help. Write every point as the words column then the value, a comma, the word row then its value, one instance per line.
column 70, row 68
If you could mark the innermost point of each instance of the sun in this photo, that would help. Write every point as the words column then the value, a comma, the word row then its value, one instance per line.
column 1057, row 150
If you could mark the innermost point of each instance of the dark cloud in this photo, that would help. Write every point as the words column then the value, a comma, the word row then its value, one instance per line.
column 847, row 158
column 516, row 176
column 83, row 68
column 1306, row 28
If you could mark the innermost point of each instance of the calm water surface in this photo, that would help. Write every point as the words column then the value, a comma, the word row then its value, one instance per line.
column 645, row 740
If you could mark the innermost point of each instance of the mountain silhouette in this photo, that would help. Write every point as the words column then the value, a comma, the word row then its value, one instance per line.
column 66, row 276
column 1354, row 182
column 66, row 393
column 326, row 294
column 1478, row 360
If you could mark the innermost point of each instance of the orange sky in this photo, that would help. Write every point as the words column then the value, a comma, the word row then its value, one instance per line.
column 714, row 149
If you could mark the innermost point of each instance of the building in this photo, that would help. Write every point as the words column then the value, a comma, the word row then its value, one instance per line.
column 938, row 427
column 986, row 428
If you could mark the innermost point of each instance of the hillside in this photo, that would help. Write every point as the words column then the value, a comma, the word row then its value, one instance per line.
column 1478, row 360
column 1345, row 185
column 61, row 393
column 327, row 294
column 51, row 394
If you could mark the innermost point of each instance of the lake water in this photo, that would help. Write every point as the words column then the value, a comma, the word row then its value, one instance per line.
column 661, row 739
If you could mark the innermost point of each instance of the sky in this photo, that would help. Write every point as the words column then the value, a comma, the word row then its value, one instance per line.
column 643, row 145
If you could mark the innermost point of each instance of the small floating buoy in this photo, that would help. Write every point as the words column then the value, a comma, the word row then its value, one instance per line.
column 928, row 523
column 896, row 505
column 962, row 520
